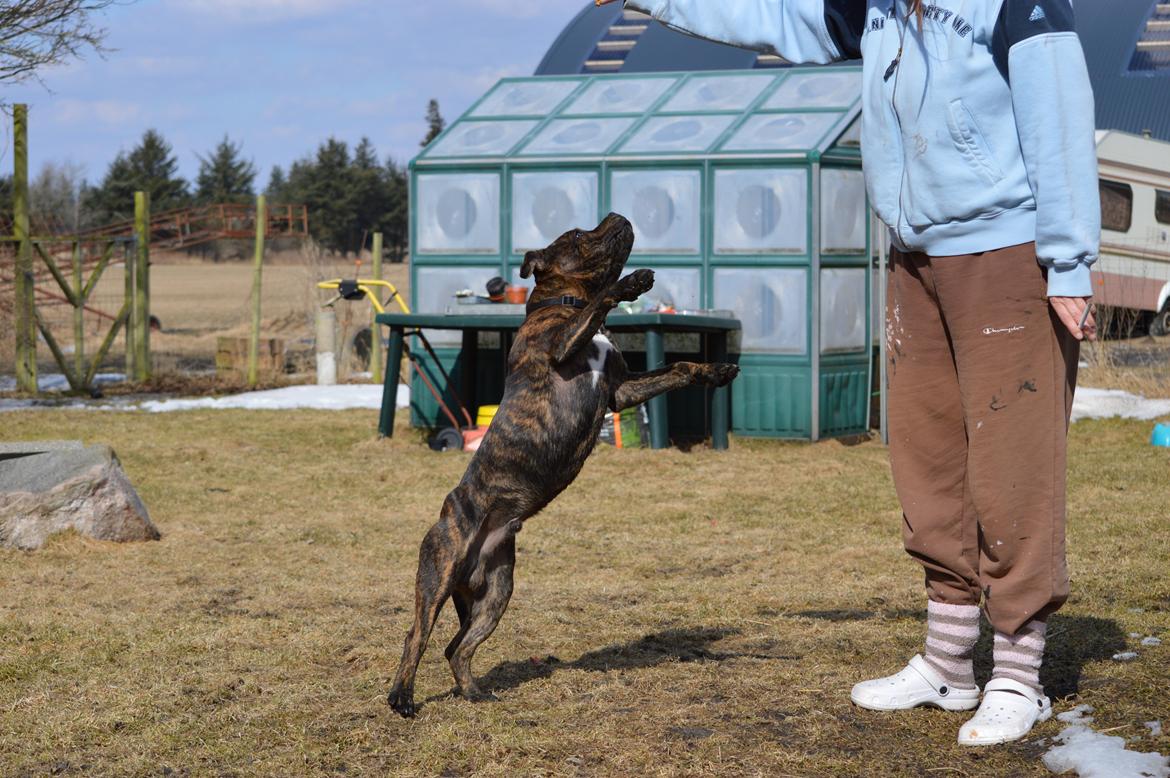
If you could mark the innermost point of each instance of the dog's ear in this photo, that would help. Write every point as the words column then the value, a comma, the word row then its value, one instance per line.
column 533, row 261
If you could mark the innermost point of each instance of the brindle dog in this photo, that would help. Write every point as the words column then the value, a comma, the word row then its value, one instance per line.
column 564, row 377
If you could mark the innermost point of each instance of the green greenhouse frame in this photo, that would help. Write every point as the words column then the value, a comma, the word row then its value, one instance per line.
column 746, row 194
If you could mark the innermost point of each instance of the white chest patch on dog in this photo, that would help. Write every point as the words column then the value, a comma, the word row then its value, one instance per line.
column 597, row 363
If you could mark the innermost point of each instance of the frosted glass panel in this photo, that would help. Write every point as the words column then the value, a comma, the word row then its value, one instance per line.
column 842, row 309
column 852, row 136
column 459, row 214
column 525, row 98
column 781, row 131
column 843, row 212
column 544, row 205
column 480, row 139
column 622, row 95
column 663, row 206
column 679, row 286
column 677, row 133
column 718, row 93
column 436, row 288
column 771, row 303
column 577, row 136
column 817, row 90
column 759, row 211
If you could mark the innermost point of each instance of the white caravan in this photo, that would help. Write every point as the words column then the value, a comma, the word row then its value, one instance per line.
column 1134, row 269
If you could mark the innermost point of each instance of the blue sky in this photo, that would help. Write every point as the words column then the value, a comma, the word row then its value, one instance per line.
column 279, row 76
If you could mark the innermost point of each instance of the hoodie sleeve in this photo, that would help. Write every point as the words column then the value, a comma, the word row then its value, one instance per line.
column 818, row 31
column 1035, row 47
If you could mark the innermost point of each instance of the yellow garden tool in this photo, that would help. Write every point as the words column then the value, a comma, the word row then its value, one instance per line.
column 358, row 288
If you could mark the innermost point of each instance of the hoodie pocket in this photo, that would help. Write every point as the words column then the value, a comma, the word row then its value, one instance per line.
column 971, row 144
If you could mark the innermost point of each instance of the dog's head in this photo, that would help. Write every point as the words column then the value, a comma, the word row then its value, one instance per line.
column 582, row 263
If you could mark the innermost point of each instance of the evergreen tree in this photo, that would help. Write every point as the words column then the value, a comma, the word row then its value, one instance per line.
column 394, row 222
column 324, row 184
column 371, row 196
column 225, row 177
column 149, row 167
column 6, row 203
column 348, row 196
column 277, row 189
column 435, row 123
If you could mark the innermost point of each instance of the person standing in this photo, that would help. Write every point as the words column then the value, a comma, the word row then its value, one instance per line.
column 979, row 155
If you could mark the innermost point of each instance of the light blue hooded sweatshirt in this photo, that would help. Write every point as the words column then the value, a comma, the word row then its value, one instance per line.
column 977, row 132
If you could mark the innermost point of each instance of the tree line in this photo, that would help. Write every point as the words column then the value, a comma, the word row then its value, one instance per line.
column 349, row 192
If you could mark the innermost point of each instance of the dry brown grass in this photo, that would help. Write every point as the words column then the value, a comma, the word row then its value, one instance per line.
column 1140, row 365
column 697, row 613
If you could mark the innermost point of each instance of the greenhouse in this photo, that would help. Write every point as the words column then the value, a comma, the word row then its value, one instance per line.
column 746, row 195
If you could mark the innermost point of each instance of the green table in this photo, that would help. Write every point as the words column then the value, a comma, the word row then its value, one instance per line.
column 713, row 328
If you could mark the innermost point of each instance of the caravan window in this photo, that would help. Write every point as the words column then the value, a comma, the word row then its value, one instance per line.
column 1116, row 206
column 1162, row 206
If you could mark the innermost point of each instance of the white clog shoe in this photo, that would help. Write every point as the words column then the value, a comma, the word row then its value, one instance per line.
column 916, row 684
column 1008, row 712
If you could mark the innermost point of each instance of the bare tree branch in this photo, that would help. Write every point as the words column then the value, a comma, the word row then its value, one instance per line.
column 35, row 34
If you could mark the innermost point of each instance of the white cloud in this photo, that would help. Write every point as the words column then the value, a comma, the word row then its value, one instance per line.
column 260, row 10
column 485, row 78
column 74, row 111
column 526, row 10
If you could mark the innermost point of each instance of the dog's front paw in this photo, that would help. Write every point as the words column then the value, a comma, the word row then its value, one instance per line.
column 402, row 701
column 633, row 286
column 719, row 373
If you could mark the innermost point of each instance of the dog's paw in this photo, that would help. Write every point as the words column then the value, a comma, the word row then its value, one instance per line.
column 719, row 373
column 478, row 695
column 402, row 701
column 634, row 285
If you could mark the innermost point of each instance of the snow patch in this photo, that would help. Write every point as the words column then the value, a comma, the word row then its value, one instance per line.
column 1155, row 728
column 1151, row 641
column 1090, row 754
column 1089, row 403
column 56, row 382
column 1125, row 656
column 330, row 398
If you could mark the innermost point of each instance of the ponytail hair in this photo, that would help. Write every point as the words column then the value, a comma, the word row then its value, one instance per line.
column 915, row 9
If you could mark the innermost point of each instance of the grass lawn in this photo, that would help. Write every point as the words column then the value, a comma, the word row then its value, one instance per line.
column 700, row 613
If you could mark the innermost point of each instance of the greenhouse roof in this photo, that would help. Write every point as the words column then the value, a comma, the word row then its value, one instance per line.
column 792, row 112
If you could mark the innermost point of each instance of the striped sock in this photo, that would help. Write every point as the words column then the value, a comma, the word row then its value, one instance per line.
column 1018, row 656
column 951, row 634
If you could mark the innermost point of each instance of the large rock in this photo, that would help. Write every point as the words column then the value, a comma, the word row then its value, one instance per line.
column 54, row 486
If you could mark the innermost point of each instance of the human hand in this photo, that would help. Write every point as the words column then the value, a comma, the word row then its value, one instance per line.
column 1070, row 310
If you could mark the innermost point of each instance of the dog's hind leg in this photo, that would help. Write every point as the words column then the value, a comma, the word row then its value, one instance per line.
column 491, row 600
column 437, row 560
column 463, row 601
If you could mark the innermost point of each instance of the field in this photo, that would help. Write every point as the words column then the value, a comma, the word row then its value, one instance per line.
column 699, row 613
column 196, row 302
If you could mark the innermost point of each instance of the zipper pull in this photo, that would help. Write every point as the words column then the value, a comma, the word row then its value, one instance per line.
column 893, row 65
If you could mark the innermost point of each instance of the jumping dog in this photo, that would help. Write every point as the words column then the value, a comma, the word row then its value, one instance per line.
column 564, row 376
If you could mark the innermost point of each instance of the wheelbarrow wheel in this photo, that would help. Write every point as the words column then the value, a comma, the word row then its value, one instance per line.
column 447, row 439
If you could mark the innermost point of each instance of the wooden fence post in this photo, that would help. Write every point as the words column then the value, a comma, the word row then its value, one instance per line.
column 375, row 330
column 142, row 286
column 78, row 314
column 257, row 272
column 26, row 327
column 131, row 257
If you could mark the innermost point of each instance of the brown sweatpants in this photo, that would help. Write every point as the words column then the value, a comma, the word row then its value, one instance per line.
column 981, row 376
